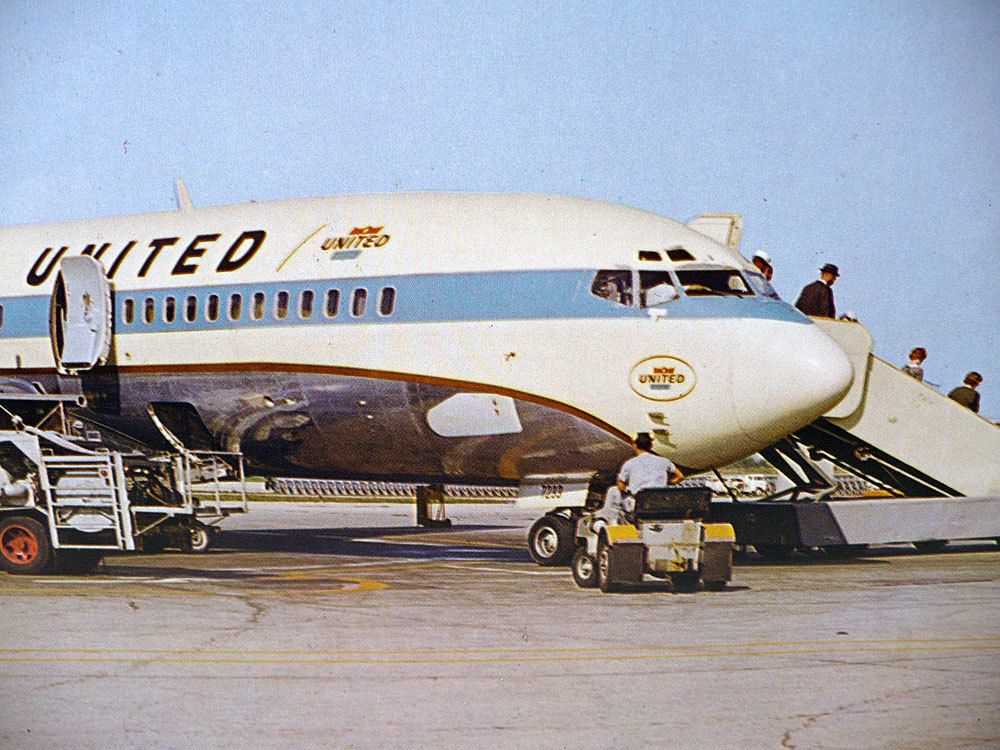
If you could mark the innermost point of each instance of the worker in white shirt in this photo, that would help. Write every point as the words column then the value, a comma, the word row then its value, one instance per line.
column 644, row 471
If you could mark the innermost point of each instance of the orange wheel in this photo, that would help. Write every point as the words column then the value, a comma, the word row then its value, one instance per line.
column 24, row 545
column 20, row 546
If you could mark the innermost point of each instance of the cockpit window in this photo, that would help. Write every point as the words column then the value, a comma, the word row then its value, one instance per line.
column 761, row 285
column 613, row 285
column 716, row 281
column 656, row 288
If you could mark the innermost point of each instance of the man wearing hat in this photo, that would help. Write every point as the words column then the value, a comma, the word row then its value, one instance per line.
column 817, row 298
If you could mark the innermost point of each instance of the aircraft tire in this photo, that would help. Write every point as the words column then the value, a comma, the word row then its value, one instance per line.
column 24, row 545
column 584, row 568
column 550, row 540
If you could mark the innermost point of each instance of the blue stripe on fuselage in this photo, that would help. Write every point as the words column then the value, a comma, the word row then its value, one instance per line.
column 428, row 298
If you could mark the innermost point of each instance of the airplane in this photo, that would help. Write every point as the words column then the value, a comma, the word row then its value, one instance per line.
column 469, row 338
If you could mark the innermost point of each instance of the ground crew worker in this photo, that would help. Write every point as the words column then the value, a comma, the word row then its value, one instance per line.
column 966, row 394
column 816, row 298
column 643, row 471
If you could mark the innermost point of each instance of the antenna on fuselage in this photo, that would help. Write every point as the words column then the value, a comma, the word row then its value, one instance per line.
column 183, row 199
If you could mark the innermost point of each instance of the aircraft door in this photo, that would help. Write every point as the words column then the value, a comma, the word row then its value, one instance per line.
column 80, row 315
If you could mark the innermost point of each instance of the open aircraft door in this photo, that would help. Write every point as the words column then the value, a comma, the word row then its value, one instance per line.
column 80, row 315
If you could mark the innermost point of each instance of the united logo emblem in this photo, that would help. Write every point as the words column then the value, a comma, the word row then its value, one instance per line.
column 662, row 378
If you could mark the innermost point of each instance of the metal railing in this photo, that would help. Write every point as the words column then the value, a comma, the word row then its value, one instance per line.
column 216, row 466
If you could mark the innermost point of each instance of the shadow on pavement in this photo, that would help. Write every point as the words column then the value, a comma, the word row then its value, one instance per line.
column 448, row 543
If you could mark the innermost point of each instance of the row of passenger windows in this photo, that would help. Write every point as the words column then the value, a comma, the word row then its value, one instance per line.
column 173, row 308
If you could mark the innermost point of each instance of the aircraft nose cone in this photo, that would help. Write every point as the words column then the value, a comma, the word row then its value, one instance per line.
column 792, row 377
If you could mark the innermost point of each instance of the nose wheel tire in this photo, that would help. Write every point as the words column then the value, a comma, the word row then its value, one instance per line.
column 550, row 540
column 24, row 545
column 584, row 569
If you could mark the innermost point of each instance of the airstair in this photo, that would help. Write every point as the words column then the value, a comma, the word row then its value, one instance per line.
column 934, row 462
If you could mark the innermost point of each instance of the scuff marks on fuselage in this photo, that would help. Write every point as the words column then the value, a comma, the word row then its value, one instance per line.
column 336, row 425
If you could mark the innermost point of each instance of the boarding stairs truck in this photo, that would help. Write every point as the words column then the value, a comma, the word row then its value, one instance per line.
column 67, row 498
column 934, row 463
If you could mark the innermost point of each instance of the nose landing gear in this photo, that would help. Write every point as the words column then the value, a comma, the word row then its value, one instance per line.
column 551, row 539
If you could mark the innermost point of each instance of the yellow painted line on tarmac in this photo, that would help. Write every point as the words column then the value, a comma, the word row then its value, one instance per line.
column 211, row 587
column 208, row 586
column 496, row 656
column 436, row 541
column 520, row 571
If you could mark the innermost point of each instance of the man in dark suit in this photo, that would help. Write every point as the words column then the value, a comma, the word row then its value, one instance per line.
column 817, row 298
column 967, row 395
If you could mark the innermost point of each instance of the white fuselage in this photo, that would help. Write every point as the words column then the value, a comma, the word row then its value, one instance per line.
column 462, row 336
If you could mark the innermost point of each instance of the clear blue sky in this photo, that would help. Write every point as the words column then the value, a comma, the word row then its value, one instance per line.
column 866, row 134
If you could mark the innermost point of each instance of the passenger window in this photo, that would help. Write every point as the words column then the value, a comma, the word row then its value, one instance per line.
column 212, row 308
column 306, row 304
column 613, row 285
column 149, row 310
column 358, row 302
column 169, row 310
column 679, row 254
column 259, row 303
column 722, row 281
column 281, row 306
column 656, row 288
column 332, row 302
column 387, row 301
column 128, row 310
column 235, row 306
column 191, row 309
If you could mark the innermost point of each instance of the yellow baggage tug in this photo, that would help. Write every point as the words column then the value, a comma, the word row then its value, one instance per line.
column 664, row 536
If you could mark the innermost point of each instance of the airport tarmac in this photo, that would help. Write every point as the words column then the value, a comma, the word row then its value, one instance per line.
column 321, row 625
